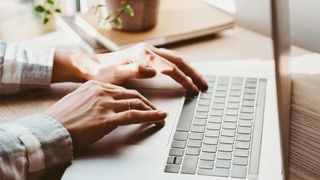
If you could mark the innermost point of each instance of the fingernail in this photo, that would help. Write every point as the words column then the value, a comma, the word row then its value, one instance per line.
column 162, row 114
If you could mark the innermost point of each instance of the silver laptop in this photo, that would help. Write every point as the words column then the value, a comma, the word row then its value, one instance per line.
column 232, row 130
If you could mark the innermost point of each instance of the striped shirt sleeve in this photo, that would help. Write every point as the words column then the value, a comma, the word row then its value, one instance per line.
column 24, row 66
column 32, row 145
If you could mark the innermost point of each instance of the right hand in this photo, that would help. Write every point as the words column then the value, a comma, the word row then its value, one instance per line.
column 96, row 108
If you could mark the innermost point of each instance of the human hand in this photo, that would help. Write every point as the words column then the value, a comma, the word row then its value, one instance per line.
column 140, row 61
column 95, row 109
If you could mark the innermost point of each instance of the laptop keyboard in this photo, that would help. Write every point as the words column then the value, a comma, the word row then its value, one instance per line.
column 219, row 131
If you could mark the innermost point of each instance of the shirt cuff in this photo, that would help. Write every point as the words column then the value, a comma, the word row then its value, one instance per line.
column 47, row 142
column 24, row 66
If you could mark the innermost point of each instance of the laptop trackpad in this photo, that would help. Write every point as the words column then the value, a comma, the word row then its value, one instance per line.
column 170, row 101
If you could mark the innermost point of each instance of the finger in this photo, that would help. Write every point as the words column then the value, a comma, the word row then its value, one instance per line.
column 130, row 94
column 137, row 117
column 135, row 70
column 183, row 65
column 124, row 105
column 175, row 73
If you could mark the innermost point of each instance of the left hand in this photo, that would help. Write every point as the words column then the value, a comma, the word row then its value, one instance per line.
column 140, row 61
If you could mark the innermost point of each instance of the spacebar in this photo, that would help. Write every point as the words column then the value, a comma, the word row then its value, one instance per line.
column 187, row 114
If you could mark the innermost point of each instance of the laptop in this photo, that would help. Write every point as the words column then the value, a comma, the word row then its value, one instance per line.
column 230, row 131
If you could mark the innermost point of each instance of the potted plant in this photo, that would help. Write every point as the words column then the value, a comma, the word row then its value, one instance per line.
column 126, row 15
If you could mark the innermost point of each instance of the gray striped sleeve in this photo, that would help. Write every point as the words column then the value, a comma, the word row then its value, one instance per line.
column 32, row 145
column 24, row 66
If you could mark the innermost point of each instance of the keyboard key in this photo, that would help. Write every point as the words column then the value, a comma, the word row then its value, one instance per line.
column 235, row 93
column 215, row 172
column 187, row 114
column 212, row 133
column 222, row 88
column 201, row 115
column 237, row 80
column 215, row 119
column 244, row 130
column 219, row 100
column 205, row 96
column 194, row 143
column 177, row 160
column 232, row 112
column 249, row 97
column 193, row 151
column 170, row 160
column 241, row 153
column 205, row 102
column 201, row 122
column 227, row 140
column 196, row 128
column 204, row 164
column 240, row 161
column 209, row 90
column 178, row 144
column 218, row 106
column 189, row 165
column 182, row 136
column 209, row 148
column 244, row 123
column 172, row 168
column 214, row 126
column 249, row 91
column 223, row 163
column 249, row 79
column 220, row 94
column 207, row 156
column 247, row 109
column 228, row 132
column 224, row 155
column 176, row 152
column 239, row 171
column 242, row 145
column 236, row 87
column 250, row 85
column 225, row 147
column 227, row 125
column 246, row 116
column 248, row 103
column 210, row 140
column 196, row 136
column 232, row 119
column 233, row 105
column 216, row 112
column 243, row 137
column 203, row 108
column 234, row 99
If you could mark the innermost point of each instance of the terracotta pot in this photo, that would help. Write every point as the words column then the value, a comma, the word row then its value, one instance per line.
column 145, row 14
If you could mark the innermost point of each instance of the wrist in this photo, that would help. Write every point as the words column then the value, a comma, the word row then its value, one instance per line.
column 65, row 68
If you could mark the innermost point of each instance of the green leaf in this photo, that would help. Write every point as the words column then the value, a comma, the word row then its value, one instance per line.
column 117, row 23
column 100, row 5
column 39, row 9
column 48, row 12
column 50, row 2
column 45, row 20
column 58, row 10
column 129, row 10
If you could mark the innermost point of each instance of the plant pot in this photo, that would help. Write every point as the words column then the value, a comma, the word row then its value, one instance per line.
column 145, row 14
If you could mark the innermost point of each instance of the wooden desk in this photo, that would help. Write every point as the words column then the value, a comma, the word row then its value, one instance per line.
column 232, row 44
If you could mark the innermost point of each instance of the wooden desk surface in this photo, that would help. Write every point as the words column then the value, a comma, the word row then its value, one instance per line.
column 237, row 43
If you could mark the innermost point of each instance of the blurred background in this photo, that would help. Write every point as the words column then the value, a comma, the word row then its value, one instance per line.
column 18, row 20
